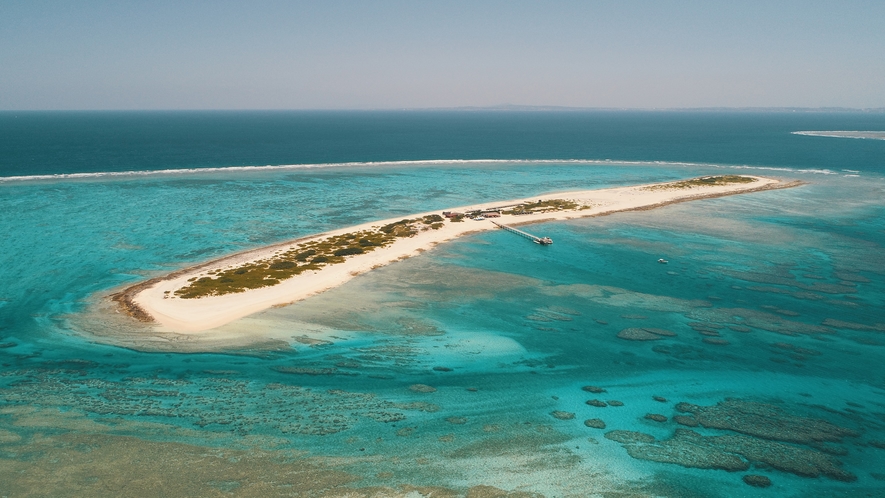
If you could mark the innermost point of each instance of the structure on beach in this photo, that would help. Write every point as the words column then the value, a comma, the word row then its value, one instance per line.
column 544, row 241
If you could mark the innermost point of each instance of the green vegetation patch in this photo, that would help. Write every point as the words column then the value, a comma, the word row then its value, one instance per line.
column 543, row 206
column 349, row 251
column 402, row 228
column 307, row 256
column 704, row 181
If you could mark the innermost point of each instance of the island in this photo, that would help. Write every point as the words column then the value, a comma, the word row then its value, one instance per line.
column 214, row 293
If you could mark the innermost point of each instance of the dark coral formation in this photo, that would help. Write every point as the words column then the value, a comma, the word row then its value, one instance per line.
column 796, row 349
column 662, row 332
column 595, row 423
column 614, row 402
column 765, row 421
column 248, row 407
column 562, row 415
column 769, row 437
column 306, row 370
column 593, row 389
column 685, row 420
column 731, row 453
column 629, row 437
column 757, row 481
column 758, row 319
column 483, row 491
column 686, row 448
column 644, row 334
column 716, row 341
column 683, row 352
column 705, row 326
column 597, row 403
column 638, row 334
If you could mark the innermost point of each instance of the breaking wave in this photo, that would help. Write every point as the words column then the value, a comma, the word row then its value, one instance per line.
column 429, row 162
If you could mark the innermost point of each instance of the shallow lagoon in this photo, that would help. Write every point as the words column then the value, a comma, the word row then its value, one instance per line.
column 444, row 370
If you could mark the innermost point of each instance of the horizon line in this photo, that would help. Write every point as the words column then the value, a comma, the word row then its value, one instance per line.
column 497, row 108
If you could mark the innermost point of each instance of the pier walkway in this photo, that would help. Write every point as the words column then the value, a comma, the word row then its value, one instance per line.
column 544, row 241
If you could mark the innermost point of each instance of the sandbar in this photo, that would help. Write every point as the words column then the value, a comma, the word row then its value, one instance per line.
column 869, row 135
column 155, row 300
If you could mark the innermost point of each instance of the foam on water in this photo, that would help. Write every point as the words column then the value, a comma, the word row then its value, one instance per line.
column 400, row 164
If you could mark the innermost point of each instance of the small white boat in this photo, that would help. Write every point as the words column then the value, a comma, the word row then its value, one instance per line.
column 663, row 261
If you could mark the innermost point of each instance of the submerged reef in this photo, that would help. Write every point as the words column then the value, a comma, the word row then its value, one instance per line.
column 733, row 453
column 765, row 421
column 562, row 415
column 644, row 334
column 767, row 436
column 249, row 407
column 595, row 423
column 757, row 481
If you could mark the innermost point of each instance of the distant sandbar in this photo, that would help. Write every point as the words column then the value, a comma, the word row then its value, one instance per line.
column 870, row 135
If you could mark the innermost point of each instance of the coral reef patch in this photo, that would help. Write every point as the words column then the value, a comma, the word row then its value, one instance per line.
column 644, row 334
column 757, row 481
column 562, row 415
column 767, row 437
column 732, row 453
column 595, row 423
column 765, row 421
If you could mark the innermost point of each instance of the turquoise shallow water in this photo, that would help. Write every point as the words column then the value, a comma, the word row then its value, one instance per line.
column 774, row 301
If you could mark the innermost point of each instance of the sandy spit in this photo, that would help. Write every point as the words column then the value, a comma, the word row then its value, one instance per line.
column 150, row 301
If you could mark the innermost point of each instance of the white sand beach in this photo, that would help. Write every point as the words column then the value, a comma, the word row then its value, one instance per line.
column 155, row 300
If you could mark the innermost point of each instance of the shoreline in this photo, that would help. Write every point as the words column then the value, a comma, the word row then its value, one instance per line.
column 154, row 301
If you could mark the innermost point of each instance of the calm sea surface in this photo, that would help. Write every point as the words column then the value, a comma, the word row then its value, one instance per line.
column 488, row 361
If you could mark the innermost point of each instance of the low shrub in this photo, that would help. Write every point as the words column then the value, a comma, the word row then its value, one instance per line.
column 348, row 251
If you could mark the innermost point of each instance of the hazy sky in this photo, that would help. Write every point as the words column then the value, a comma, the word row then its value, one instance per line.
column 413, row 54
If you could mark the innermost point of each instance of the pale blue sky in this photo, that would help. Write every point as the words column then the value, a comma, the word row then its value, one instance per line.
column 414, row 54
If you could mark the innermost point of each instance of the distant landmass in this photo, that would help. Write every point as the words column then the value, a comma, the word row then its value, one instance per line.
column 549, row 108
column 873, row 135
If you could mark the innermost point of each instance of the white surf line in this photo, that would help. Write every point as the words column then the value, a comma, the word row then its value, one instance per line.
column 284, row 167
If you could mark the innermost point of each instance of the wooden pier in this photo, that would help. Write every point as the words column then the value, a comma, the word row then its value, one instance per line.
column 544, row 241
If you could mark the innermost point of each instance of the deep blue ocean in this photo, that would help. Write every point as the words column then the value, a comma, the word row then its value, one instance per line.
column 486, row 362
